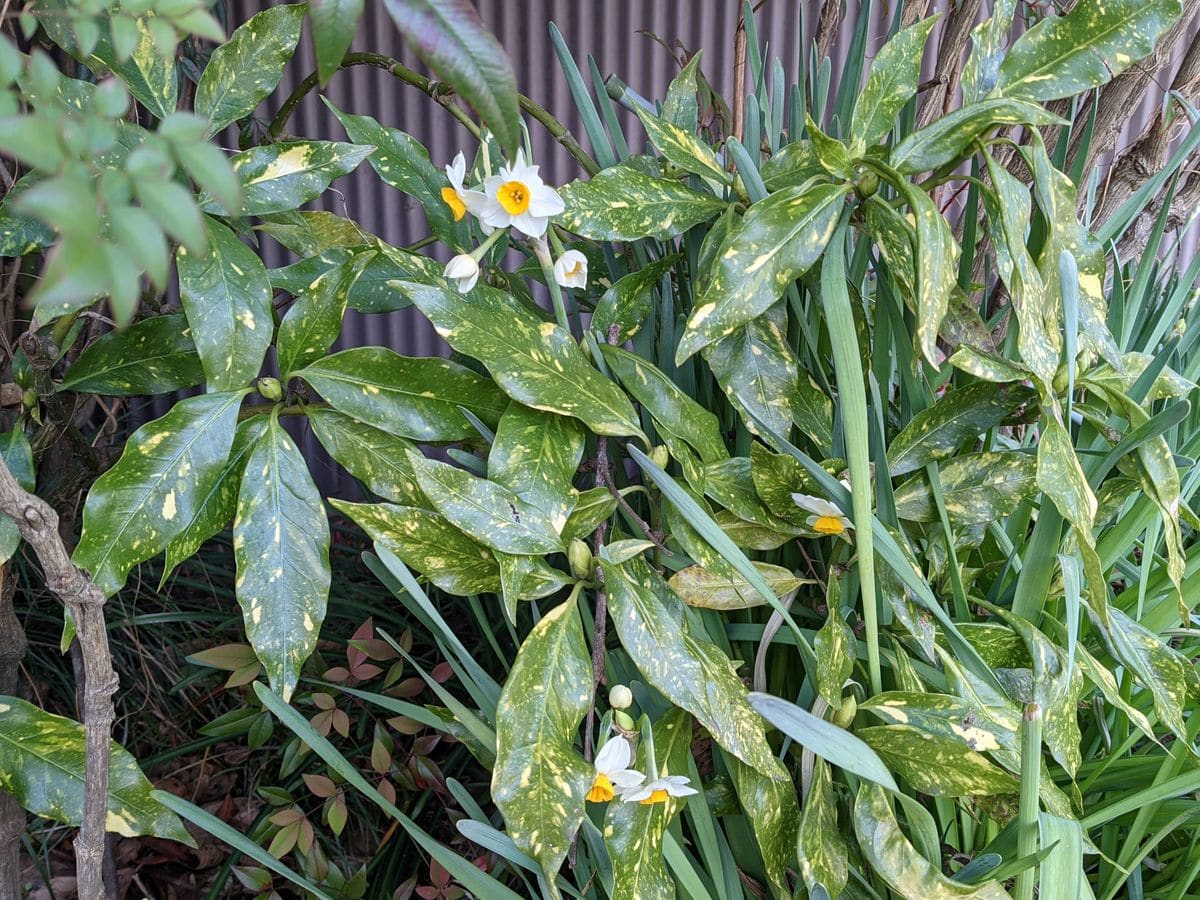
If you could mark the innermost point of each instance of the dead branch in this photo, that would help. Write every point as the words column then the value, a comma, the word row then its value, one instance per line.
column 955, row 35
column 827, row 27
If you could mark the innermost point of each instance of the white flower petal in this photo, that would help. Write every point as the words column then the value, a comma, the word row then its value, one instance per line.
column 816, row 505
column 456, row 171
column 527, row 223
column 613, row 756
column 570, row 269
column 544, row 200
column 626, row 779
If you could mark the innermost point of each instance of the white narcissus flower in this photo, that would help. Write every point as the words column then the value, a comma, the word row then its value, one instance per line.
column 826, row 517
column 571, row 270
column 458, row 198
column 613, row 775
column 518, row 197
column 464, row 270
column 660, row 790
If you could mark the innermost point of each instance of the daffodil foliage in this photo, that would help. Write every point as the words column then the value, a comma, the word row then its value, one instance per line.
column 819, row 404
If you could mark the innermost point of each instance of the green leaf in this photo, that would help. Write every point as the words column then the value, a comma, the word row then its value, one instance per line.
column 535, row 455
column 424, row 540
column 539, row 781
column 936, row 267
column 1096, row 41
column 777, row 241
column 42, row 764
column 758, row 371
column 682, row 148
column 371, row 455
column 153, row 356
column 310, row 232
column 897, row 862
column 771, row 809
column 727, row 590
column 218, row 504
column 314, row 321
column 946, row 139
column 893, row 81
column 1061, row 478
column 281, row 545
column 17, row 454
column 486, row 511
column 21, row 234
column 977, row 487
column 624, row 204
column 333, row 25
column 227, row 297
column 944, row 716
column 630, row 299
column 960, row 416
column 536, row 363
column 821, row 848
column 401, row 161
column 634, row 832
column 245, row 69
column 451, row 39
column 284, row 176
column 987, row 51
column 692, row 673
column 936, row 765
column 836, row 650
column 135, row 508
column 413, row 397
column 674, row 412
column 832, row 154
column 591, row 508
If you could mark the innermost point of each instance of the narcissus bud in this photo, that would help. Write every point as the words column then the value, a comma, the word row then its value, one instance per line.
column 866, row 185
column 580, row 558
column 660, row 456
column 844, row 716
column 270, row 388
column 620, row 696
column 624, row 721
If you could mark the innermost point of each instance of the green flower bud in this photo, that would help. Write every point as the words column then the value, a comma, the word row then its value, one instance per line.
column 866, row 185
column 844, row 716
column 270, row 388
column 580, row 558
column 624, row 721
column 660, row 456
column 620, row 697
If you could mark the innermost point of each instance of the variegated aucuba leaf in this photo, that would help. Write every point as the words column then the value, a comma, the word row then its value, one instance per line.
column 821, row 847
column 634, row 832
column 540, row 780
column 314, row 320
column 247, row 67
column 629, row 300
column 592, row 507
column 682, row 148
column 1093, row 43
column 977, row 488
column 949, row 138
column 373, row 456
column 674, row 412
column 281, row 546
column 153, row 356
column 692, row 673
column 226, row 295
column 937, row 255
column 988, row 41
column 485, row 510
column 135, row 508
column 895, row 72
column 888, row 851
column 429, row 544
column 960, row 415
column 945, row 716
column 937, row 765
column 535, row 455
column 537, row 363
column 728, row 590
column 284, row 176
column 17, row 454
column 415, row 397
column 43, row 764
column 1061, row 477
column 622, row 203
column 835, row 649
column 774, row 816
column 780, row 237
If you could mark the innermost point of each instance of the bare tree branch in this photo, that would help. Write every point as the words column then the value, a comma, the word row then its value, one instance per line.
column 827, row 27
column 955, row 35
column 914, row 12
column 12, row 816
column 38, row 524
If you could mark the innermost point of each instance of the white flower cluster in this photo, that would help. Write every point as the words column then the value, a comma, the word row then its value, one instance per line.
column 614, row 778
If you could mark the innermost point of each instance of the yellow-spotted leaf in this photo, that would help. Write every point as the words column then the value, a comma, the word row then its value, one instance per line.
column 413, row 397
column 727, row 589
column 1061, row 478
column 690, row 672
column 153, row 356
column 43, row 763
column 622, row 203
column 314, row 321
column 17, row 454
column 429, row 544
column 945, row 716
column 674, row 412
column 895, row 71
column 780, row 237
column 988, row 41
column 977, row 488
column 374, row 457
column 937, row 255
column 629, row 300
column 137, row 507
column 535, row 455
column 536, row 363
column 774, row 816
column 281, row 546
column 485, row 510
column 592, row 507
column 888, row 851
column 682, row 148
column 821, row 848
column 633, row 832
column 936, row 765
column 285, row 176
column 226, row 295
column 835, row 649
column 245, row 69
column 540, row 780
column 1093, row 43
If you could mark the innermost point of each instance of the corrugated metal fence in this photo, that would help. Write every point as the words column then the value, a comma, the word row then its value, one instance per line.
column 614, row 32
